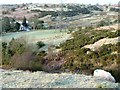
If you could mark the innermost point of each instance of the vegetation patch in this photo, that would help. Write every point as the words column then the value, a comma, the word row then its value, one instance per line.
column 17, row 54
column 81, row 59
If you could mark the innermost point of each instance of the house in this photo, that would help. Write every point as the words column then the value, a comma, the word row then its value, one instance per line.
column 23, row 28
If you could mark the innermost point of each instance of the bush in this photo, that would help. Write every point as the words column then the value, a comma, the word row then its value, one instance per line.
column 103, row 23
column 15, row 46
column 40, row 44
column 26, row 61
column 70, row 30
column 75, row 56
column 19, row 55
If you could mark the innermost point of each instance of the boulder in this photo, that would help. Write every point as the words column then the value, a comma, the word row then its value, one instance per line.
column 103, row 75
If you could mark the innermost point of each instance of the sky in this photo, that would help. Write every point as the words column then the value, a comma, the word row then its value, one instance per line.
column 59, row 1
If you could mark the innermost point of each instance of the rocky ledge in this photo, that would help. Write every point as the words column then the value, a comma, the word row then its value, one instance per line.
column 39, row 79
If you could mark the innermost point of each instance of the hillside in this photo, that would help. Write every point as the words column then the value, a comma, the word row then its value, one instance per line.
column 72, row 57
column 59, row 45
column 101, row 51
column 39, row 79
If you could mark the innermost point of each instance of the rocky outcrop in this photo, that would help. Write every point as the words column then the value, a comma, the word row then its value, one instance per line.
column 104, row 75
column 101, row 42
column 39, row 79
column 110, row 27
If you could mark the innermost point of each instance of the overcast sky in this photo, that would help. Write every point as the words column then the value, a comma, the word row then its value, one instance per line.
column 58, row 1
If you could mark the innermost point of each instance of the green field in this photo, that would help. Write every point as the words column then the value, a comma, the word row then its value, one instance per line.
column 49, row 37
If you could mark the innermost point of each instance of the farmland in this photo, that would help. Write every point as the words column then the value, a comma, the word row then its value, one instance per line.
column 53, row 37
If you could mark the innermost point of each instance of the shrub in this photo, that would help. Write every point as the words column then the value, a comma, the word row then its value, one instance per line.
column 40, row 44
column 17, row 45
column 6, row 54
column 103, row 23
column 70, row 30
column 19, row 55
column 28, row 61
column 75, row 56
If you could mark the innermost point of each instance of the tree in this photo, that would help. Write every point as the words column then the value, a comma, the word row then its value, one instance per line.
column 40, row 44
column 24, row 23
column 38, row 24
column 102, row 23
column 12, row 20
column 17, row 26
column 5, row 12
column 46, row 6
column 6, row 24
column 6, row 53
column 17, row 45
column 13, row 9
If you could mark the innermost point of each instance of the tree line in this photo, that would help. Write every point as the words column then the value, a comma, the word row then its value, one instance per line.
column 12, row 25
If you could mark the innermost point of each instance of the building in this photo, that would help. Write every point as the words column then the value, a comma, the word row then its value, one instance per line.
column 23, row 28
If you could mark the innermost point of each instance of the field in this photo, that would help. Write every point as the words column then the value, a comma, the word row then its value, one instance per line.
column 49, row 37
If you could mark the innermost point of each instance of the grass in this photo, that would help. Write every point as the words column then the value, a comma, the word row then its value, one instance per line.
column 39, row 34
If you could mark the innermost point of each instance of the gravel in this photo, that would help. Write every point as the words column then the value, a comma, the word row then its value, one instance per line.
column 39, row 79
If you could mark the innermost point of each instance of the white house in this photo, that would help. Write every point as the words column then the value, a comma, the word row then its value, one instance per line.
column 23, row 28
